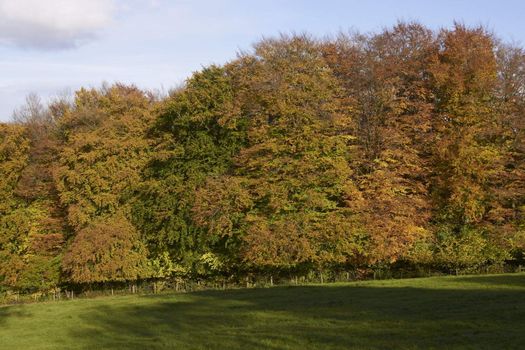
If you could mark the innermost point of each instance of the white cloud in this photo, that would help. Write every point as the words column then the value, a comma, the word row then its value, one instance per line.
column 51, row 24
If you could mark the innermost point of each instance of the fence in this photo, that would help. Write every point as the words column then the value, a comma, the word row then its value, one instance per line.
column 186, row 285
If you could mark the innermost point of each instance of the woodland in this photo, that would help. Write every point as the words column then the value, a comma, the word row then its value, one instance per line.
column 401, row 150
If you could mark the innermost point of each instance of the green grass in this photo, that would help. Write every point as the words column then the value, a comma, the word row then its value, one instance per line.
column 478, row 312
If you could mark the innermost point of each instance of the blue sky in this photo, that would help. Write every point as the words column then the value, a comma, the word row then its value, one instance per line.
column 51, row 46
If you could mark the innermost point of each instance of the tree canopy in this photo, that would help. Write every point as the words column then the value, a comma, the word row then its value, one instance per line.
column 404, row 147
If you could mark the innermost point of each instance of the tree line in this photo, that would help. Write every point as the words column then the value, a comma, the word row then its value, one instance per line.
column 398, row 148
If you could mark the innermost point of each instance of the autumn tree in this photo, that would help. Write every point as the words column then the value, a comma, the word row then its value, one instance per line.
column 400, row 148
column 291, row 184
column 14, row 228
column 37, row 189
column 467, row 154
column 509, row 217
column 386, row 78
column 107, row 250
column 103, row 151
column 29, row 254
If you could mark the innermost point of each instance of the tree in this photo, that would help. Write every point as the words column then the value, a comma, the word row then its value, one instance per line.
column 386, row 78
column 399, row 148
column 15, row 224
column 509, row 217
column 103, row 149
column 197, row 133
column 293, row 177
column 108, row 250
column 468, row 154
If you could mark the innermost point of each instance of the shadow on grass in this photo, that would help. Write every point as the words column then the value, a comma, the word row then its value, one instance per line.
column 7, row 311
column 314, row 317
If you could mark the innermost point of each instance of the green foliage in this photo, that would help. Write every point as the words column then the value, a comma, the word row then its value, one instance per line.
column 197, row 132
column 468, row 249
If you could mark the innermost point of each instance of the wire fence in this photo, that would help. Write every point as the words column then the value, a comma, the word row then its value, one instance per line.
column 188, row 285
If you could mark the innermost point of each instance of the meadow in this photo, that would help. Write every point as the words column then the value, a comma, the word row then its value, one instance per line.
column 460, row 312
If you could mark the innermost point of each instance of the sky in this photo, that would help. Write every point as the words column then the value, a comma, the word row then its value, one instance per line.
column 50, row 47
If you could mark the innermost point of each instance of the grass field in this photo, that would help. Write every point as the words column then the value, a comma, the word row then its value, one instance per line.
column 477, row 312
